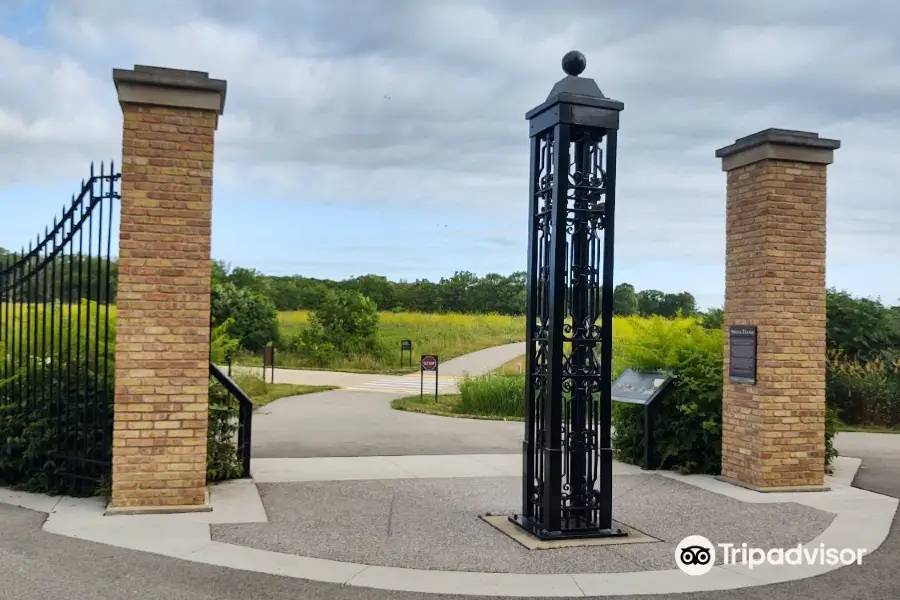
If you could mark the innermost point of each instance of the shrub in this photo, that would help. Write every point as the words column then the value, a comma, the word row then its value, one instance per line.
column 862, row 329
column 863, row 393
column 254, row 320
column 687, row 423
column 345, row 324
column 222, row 462
column 34, row 434
column 494, row 394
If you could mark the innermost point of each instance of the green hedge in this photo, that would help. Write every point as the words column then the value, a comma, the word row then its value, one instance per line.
column 34, row 434
column 688, row 424
column 688, row 421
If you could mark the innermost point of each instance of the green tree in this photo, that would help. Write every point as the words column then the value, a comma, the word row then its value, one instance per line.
column 220, row 271
column 625, row 300
column 863, row 329
column 713, row 318
column 672, row 305
column 650, row 302
column 377, row 287
column 255, row 320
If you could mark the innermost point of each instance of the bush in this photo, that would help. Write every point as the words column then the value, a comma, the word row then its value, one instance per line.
column 862, row 329
column 687, row 424
column 35, row 435
column 254, row 320
column 345, row 325
column 494, row 395
column 688, row 434
column 222, row 462
column 864, row 393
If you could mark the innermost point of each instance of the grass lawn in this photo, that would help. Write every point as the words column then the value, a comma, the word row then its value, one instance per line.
column 262, row 393
column 447, row 405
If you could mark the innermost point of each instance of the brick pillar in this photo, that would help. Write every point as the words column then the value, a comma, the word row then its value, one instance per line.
column 162, row 340
column 774, row 427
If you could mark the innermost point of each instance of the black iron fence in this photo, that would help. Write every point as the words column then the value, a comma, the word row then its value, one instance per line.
column 231, row 422
column 57, row 341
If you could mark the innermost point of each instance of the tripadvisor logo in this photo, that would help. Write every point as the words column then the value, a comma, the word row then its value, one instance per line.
column 696, row 555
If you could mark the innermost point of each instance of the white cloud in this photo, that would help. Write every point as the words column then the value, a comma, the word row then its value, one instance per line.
column 403, row 102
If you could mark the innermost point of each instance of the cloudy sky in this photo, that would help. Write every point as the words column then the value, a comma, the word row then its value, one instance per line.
column 388, row 136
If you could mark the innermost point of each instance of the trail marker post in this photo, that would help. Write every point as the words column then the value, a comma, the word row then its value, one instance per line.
column 406, row 346
column 269, row 361
column 428, row 362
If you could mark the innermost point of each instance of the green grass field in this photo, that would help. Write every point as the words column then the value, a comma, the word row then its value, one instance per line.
column 447, row 335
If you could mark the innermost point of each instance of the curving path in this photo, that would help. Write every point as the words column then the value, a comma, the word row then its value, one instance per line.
column 351, row 422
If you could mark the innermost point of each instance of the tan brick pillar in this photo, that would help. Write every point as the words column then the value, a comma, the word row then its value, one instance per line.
column 162, row 338
column 773, row 427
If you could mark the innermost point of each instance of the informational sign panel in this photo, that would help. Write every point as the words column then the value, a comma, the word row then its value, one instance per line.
column 642, row 388
column 638, row 387
column 428, row 362
column 742, row 354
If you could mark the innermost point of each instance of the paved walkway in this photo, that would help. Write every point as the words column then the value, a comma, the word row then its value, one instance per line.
column 473, row 364
column 348, row 423
column 479, row 363
column 358, row 420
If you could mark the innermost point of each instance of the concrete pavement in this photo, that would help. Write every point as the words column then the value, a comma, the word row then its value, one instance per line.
column 348, row 423
column 483, row 361
column 41, row 566
column 860, row 520
column 359, row 421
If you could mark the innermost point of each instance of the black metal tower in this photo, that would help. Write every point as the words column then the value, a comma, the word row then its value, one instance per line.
column 567, row 454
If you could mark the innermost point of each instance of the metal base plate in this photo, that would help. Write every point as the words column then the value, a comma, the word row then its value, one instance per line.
column 575, row 533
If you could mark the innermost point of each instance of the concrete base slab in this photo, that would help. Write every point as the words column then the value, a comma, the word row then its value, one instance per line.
column 159, row 510
column 774, row 489
column 502, row 524
column 861, row 520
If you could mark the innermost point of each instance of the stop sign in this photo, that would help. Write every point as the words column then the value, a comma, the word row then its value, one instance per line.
column 429, row 362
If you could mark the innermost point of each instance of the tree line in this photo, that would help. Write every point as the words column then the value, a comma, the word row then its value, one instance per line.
column 65, row 278
column 464, row 292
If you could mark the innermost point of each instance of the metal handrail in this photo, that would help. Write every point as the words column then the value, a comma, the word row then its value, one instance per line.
column 245, row 416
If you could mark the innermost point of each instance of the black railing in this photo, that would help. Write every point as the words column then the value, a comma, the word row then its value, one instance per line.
column 244, row 423
column 57, row 347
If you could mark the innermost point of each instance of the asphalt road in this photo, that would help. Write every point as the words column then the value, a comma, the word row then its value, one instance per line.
column 39, row 566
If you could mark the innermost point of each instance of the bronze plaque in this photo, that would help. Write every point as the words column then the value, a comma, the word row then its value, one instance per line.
column 742, row 354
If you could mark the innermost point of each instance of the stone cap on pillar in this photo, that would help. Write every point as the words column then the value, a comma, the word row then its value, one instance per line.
column 779, row 144
column 161, row 86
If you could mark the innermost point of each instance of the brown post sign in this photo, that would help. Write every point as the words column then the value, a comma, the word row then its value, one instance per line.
column 269, row 361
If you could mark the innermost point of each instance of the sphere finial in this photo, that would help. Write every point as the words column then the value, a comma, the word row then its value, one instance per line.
column 573, row 63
